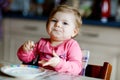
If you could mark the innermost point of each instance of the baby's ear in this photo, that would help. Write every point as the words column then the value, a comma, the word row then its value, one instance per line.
column 75, row 33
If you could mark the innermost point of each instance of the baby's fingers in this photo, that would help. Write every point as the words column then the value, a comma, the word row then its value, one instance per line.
column 28, row 45
column 42, row 62
column 32, row 44
column 47, row 63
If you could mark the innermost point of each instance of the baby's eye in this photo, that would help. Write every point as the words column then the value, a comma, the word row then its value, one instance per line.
column 54, row 20
column 65, row 23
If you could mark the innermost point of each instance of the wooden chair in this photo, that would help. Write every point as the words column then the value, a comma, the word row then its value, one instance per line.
column 97, row 71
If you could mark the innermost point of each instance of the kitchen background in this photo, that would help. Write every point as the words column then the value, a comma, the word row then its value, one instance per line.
column 90, row 9
column 26, row 19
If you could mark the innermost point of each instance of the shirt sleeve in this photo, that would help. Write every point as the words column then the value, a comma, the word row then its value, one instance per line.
column 25, row 57
column 73, row 64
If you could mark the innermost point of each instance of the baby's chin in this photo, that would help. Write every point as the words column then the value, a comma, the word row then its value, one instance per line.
column 59, row 39
column 56, row 39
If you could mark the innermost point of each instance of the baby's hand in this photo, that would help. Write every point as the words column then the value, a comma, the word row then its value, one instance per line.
column 52, row 62
column 28, row 45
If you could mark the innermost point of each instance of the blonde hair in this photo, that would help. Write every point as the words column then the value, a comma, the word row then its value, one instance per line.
column 66, row 8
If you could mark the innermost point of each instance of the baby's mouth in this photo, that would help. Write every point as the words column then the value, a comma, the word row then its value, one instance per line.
column 56, row 29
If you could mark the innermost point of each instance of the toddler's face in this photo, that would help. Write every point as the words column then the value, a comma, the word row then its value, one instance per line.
column 62, row 26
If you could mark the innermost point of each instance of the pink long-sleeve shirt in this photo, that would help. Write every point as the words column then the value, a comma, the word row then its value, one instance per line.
column 69, row 52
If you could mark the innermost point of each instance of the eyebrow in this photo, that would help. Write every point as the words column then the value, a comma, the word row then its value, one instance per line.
column 64, row 20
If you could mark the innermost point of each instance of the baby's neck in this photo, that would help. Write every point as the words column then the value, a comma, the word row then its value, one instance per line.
column 55, row 43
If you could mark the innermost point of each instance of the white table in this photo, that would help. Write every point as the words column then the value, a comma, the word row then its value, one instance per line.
column 49, row 75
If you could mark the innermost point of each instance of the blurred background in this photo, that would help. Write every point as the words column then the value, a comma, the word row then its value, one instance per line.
column 90, row 9
column 22, row 20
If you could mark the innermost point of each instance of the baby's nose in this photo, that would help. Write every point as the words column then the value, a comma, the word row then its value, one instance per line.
column 58, row 24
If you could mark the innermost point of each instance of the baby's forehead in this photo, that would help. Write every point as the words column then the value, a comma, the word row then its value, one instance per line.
column 62, row 16
column 64, row 12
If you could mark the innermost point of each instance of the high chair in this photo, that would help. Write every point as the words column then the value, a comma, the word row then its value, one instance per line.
column 85, row 59
column 97, row 71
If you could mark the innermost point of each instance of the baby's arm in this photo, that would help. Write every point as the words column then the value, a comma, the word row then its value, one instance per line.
column 73, row 64
column 26, row 52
